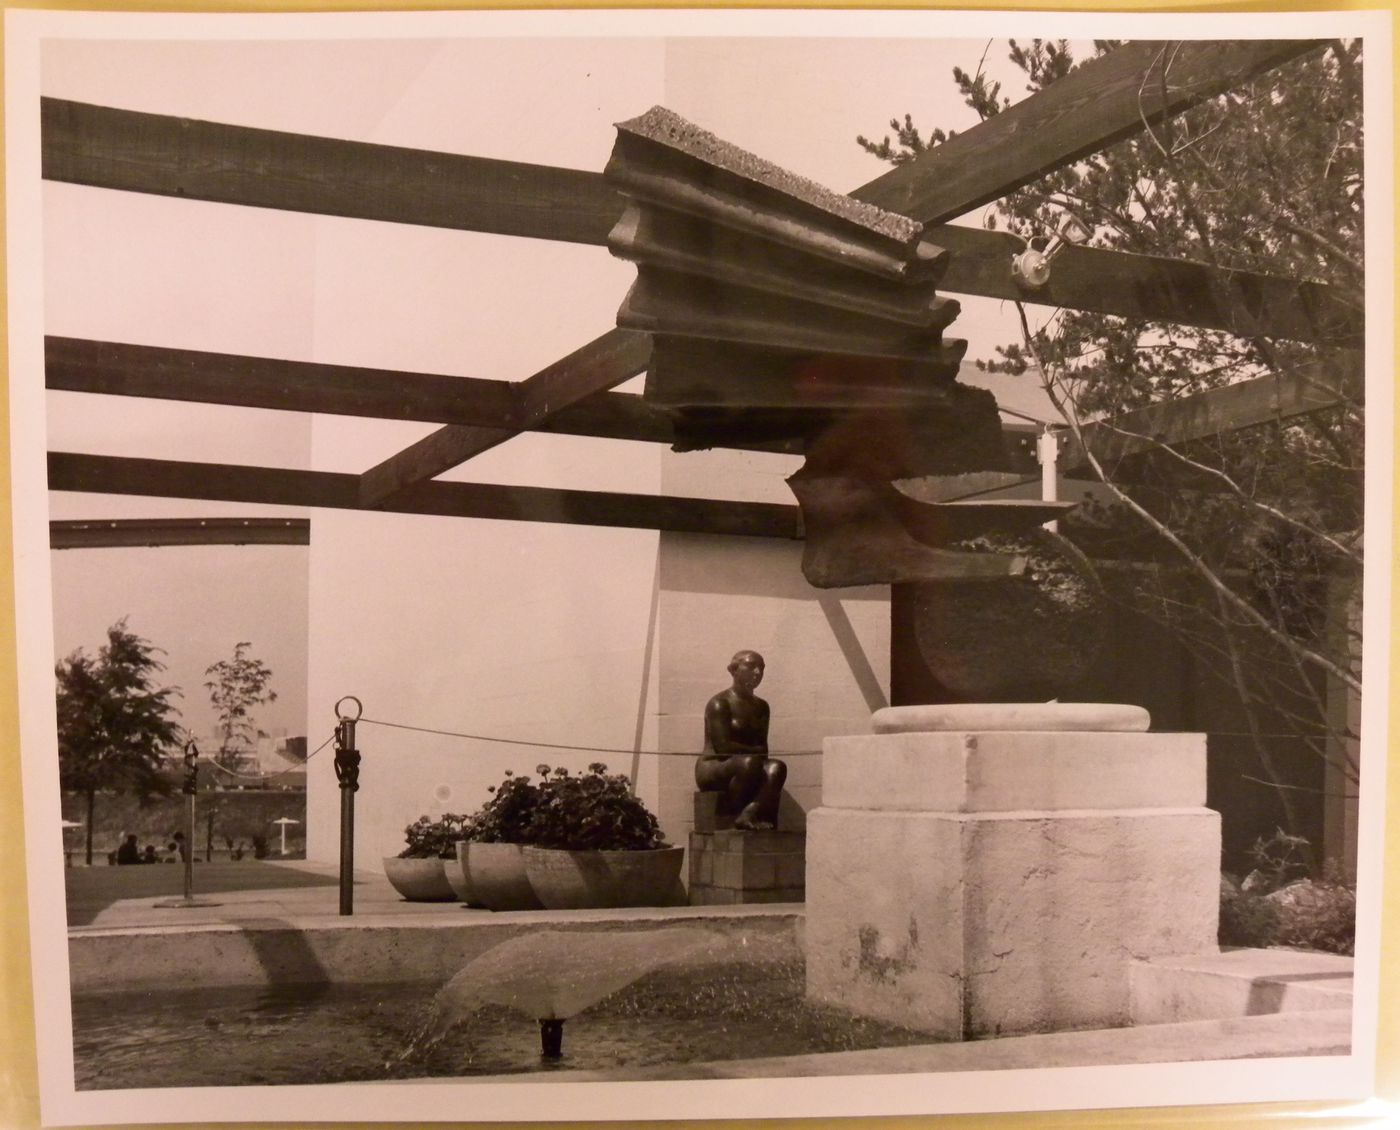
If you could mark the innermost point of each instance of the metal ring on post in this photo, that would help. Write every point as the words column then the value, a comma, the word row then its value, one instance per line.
column 359, row 709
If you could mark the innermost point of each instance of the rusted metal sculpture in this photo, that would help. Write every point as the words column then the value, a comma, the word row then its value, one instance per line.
column 782, row 311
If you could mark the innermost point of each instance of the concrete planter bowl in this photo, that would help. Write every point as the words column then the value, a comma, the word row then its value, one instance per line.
column 459, row 877
column 575, row 880
column 419, row 880
column 496, row 876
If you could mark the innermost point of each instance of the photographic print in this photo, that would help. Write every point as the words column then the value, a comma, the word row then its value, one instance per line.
column 630, row 565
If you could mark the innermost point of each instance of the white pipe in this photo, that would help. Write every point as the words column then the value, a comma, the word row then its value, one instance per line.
column 1047, row 452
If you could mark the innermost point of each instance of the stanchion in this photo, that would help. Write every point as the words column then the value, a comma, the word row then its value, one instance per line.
column 347, row 772
column 189, row 788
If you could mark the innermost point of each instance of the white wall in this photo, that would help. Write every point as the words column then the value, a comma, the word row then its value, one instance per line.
column 827, row 652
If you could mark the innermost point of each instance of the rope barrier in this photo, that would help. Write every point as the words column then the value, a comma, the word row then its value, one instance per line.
column 578, row 748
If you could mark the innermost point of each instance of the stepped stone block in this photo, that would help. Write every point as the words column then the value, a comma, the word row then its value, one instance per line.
column 975, row 885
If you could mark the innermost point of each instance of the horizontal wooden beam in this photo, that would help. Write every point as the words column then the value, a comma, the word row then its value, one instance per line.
column 1261, row 400
column 260, row 168
column 616, row 356
column 105, row 474
column 136, row 152
column 147, row 532
column 121, row 369
column 1151, row 288
column 1103, row 101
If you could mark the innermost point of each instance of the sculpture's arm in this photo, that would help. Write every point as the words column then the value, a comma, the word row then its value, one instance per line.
column 719, row 727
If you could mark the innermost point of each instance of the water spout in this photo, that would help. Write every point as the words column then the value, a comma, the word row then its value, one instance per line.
column 551, row 975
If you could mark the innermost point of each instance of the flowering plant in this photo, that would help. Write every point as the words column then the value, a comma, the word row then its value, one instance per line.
column 429, row 839
column 588, row 811
column 506, row 816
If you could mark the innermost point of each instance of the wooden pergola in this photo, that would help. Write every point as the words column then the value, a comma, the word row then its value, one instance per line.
column 1102, row 102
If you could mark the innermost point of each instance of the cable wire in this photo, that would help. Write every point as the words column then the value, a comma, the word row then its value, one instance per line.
column 556, row 745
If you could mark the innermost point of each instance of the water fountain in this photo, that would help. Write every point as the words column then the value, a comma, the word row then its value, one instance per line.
column 553, row 975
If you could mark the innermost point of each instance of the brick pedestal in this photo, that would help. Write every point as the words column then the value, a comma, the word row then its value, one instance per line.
column 729, row 867
column 983, row 884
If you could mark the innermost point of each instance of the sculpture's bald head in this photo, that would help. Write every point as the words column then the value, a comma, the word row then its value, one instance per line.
column 747, row 669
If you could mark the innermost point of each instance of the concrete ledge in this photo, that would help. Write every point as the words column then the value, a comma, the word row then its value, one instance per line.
column 1323, row 1033
column 1235, row 983
column 977, row 716
column 363, row 950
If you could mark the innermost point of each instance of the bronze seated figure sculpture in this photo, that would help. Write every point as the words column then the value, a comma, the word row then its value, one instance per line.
column 735, row 761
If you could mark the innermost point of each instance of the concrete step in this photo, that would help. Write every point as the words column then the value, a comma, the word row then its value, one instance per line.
column 1237, row 982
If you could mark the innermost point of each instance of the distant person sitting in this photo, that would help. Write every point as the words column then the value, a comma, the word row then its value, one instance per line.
column 179, row 846
column 149, row 855
column 129, row 852
column 735, row 762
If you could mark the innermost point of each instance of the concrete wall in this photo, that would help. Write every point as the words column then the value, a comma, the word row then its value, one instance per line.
column 517, row 631
column 564, row 634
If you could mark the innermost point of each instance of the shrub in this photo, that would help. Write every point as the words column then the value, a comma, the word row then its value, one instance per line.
column 1273, row 909
column 1248, row 920
column 429, row 839
column 1317, row 914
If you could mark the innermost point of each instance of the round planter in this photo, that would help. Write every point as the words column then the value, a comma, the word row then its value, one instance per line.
column 419, row 880
column 458, row 876
column 573, row 880
column 496, row 874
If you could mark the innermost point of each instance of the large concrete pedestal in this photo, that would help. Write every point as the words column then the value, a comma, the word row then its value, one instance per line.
column 992, row 883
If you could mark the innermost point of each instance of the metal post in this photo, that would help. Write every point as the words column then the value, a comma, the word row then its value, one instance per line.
column 189, row 787
column 347, row 772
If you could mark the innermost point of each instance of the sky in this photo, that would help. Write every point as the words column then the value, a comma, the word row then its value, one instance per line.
column 126, row 267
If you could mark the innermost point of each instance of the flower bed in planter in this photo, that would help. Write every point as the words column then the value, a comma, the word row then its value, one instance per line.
column 568, row 842
column 419, row 872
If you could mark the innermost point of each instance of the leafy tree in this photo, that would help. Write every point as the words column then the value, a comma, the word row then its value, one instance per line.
column 236, row 686
column 1253, row 536
column 114, row 724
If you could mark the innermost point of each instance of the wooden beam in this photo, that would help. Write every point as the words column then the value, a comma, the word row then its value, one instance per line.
column 120, row 369
column 144, row 532
column 1154, row 289
column 196, row 160
column 1260, row 400
column 1103, row 101
column 616, row 356
column 123, row 149
column 105, row 474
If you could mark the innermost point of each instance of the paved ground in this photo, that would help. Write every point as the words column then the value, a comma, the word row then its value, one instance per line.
column 93, row 890
column 126, row 897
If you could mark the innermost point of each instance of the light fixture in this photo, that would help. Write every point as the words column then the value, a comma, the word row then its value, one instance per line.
column 1031, row 267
